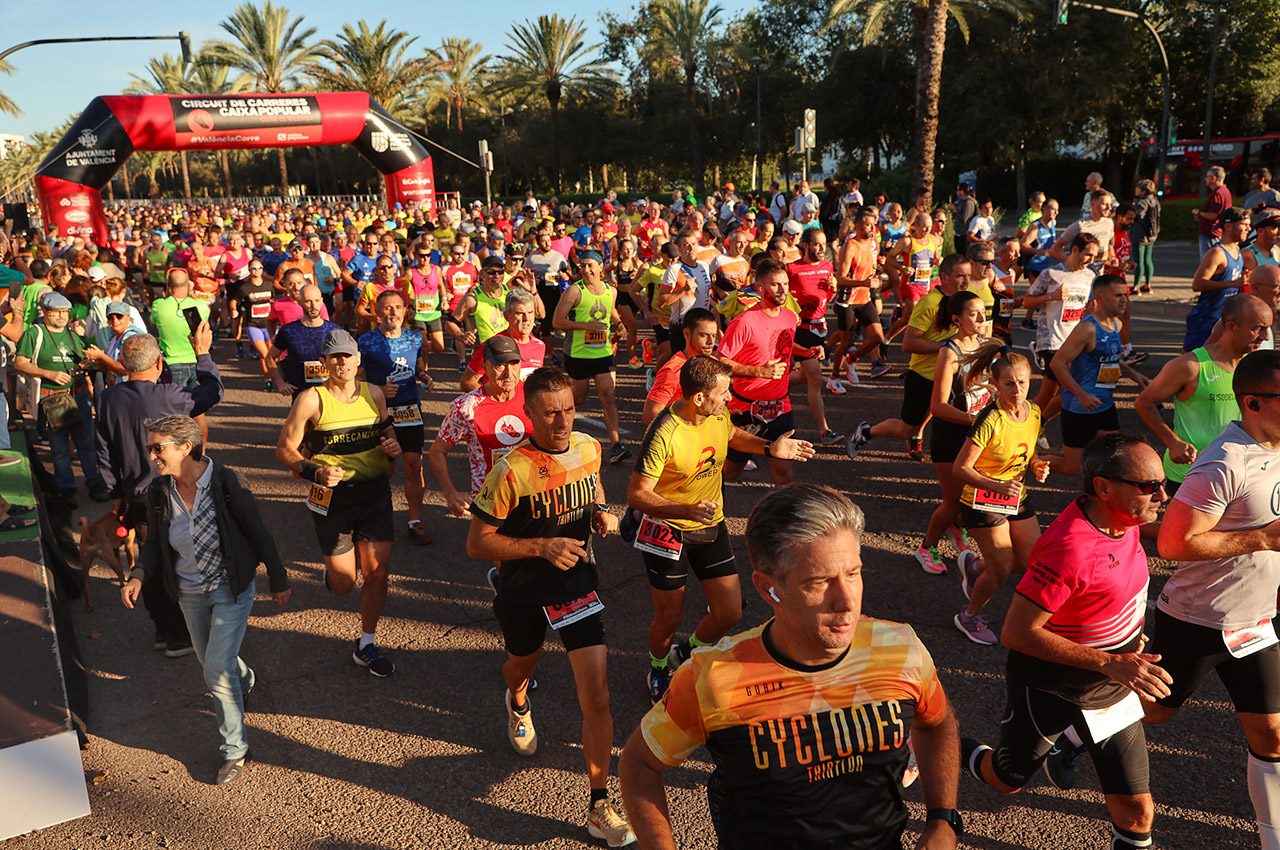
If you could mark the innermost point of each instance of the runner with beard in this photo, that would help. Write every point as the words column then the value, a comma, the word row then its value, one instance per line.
column 294, row 357
column 521, row 316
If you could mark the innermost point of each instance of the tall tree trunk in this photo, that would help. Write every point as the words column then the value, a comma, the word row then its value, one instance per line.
column 695, row 138
column 124, row 176
column 554, row 101
column 224, row 160
column 284, row 173
column 931, row 42
column 186, row 175
column 457, row 107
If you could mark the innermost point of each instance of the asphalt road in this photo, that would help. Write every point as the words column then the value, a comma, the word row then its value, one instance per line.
column 343, row 760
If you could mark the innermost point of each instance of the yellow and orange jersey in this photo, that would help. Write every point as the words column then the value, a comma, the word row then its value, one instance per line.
column 804, row 756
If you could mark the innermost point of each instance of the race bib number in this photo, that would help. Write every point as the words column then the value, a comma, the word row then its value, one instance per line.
column 596, row 339
column 767, row 411
column 1006, row 308
column 1250, row 639
column 658, row 538
column 566, row 613
column 260, row 311
column 319, row 499
column 406, row 416
column 994, row 503
column 315, row 372
column 1102, row 723
column 1108, row 375
column 922, row 274
column 1072, row 314
column 423, row 304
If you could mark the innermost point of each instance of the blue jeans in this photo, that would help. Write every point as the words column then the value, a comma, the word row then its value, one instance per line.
column 60, row 443
column 217, row 620
column 183, row 374
column 1207, row 242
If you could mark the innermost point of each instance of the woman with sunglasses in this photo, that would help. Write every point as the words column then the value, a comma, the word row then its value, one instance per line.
column 997, row 452
column 206, row 541
column 421, row 282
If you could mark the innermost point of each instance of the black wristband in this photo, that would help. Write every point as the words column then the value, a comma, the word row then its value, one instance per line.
column 308, row 469
column 768, row 449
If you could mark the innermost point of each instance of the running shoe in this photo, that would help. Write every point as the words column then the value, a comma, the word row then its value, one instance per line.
column 492, row 578
column 930, row 560
column 619, row 453
column 835, row 386
column 520, row 731
column 646, row 352
column 1060, row 765
column 970, row 569
column 269, row 385
column 975, row 628
column 880, row 368
column 419, row 535
column 179, row 648
column 635, row 363
column 851, row 373
column 1029, row 324
column 231, row 770
column 915, row 449
column 603, row 821
column 960, row 540
column 830, row 438
column 657, row 680
column 374, row 660
column 859, row 439
column 1145, row 289
column 678, row 654
column 648, row 379
column 1134, row 357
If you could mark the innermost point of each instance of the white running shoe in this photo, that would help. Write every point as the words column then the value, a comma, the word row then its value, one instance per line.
column 835, row 386
column 851, row 373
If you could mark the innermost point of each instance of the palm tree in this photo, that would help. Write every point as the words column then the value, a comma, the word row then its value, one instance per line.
column 682, row 29
column 209, row 76
column 6, row 103
column 271, row 48
column 459, row 78
column 167, row 75
column 550, row 56
column 372, row 60
column 929, row 24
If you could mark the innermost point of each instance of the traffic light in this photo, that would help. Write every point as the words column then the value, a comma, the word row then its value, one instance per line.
column 810, row 129
column 1060, row 9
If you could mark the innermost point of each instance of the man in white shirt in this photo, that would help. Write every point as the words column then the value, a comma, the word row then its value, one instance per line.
column 803, row 197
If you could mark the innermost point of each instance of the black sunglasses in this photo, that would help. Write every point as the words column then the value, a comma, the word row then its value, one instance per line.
column 1146, row 488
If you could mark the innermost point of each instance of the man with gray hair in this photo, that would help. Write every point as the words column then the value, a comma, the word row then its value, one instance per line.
column 123, row 460
column 1219, row 200
column 786, row 774
column 521, row 313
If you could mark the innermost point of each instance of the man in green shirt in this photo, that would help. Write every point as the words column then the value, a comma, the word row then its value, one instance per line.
column 172, row 331
column 50, row 355
column 28, row 304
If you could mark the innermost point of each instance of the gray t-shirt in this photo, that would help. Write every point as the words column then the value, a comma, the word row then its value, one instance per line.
column 1239, row 478
column 550, row 263
column 1269, row 197
column 1103, row 230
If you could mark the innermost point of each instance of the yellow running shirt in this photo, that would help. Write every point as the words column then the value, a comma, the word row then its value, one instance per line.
column 1008, row 447
column 687, row 462
column 349, row 435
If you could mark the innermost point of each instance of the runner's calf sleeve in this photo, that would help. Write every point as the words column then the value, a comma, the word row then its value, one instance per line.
column 1123, row 839
column 1264, row 791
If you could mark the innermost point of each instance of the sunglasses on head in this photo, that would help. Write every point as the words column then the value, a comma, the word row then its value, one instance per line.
column 1146, row 488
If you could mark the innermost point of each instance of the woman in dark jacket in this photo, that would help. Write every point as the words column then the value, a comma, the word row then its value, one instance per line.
column 1143, row 234
column 206, row 539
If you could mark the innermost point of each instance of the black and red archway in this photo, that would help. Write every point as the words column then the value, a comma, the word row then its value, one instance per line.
column 72, row 176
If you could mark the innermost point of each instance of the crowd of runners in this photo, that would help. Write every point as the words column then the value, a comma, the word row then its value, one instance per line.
column 731, row 306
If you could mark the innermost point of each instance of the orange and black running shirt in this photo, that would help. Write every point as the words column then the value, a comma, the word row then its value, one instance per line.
column 804, row 757
column 532, row 492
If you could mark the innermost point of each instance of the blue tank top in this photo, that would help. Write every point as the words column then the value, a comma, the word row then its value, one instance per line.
column 1045, row 236
column 1261, row 258
column 1097, row 371
column 1208, row 306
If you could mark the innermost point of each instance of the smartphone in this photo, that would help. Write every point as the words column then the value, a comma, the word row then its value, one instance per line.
column 192, row 315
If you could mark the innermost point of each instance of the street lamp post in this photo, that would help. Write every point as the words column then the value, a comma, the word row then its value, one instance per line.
column 183, row 38
column 1208, row 104
column 757, row 167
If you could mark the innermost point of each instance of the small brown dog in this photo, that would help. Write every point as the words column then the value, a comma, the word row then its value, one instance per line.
column 102, row 540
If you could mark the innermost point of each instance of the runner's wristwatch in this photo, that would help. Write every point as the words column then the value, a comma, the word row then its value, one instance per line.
column 951, row 816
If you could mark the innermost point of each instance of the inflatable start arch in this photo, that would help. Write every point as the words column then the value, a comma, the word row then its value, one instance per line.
column 72, row 176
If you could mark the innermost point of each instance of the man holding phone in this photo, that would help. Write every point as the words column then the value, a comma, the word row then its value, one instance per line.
column 176, row 318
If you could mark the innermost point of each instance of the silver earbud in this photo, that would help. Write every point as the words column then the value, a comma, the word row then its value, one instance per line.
column 773, row 594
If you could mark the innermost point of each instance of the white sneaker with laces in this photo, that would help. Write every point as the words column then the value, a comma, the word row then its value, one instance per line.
column 851, row 373
column 835, row 386
column 604, row 821
column 520, row 731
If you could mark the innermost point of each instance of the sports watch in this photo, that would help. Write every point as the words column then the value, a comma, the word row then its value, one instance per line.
column 951, row 816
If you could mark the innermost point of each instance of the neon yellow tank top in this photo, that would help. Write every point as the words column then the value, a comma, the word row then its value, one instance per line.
column 589, row 345
column 349, row 435
column 1200, row 419
column 488, row 316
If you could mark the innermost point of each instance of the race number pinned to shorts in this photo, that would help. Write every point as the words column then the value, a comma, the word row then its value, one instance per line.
column 1250, row 639
column 563, row 614
column 995, row 503
column 406, row 416
column 315, row 372
column 1108, row 375
column 260, row 310
column 658, row 538
column 1102, row 723
column 767, row 411
column 319, row 499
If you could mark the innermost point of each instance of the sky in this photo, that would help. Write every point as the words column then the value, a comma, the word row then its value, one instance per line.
column 52, row 82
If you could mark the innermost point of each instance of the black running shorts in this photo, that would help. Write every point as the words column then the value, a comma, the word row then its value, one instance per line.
column 709, row 560
column 1189, row 651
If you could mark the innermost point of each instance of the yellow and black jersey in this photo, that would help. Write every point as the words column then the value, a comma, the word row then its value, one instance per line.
column 532, row 492
column 349, row 435
column 804, row 756
column 1008, row 446
column 687, row 462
